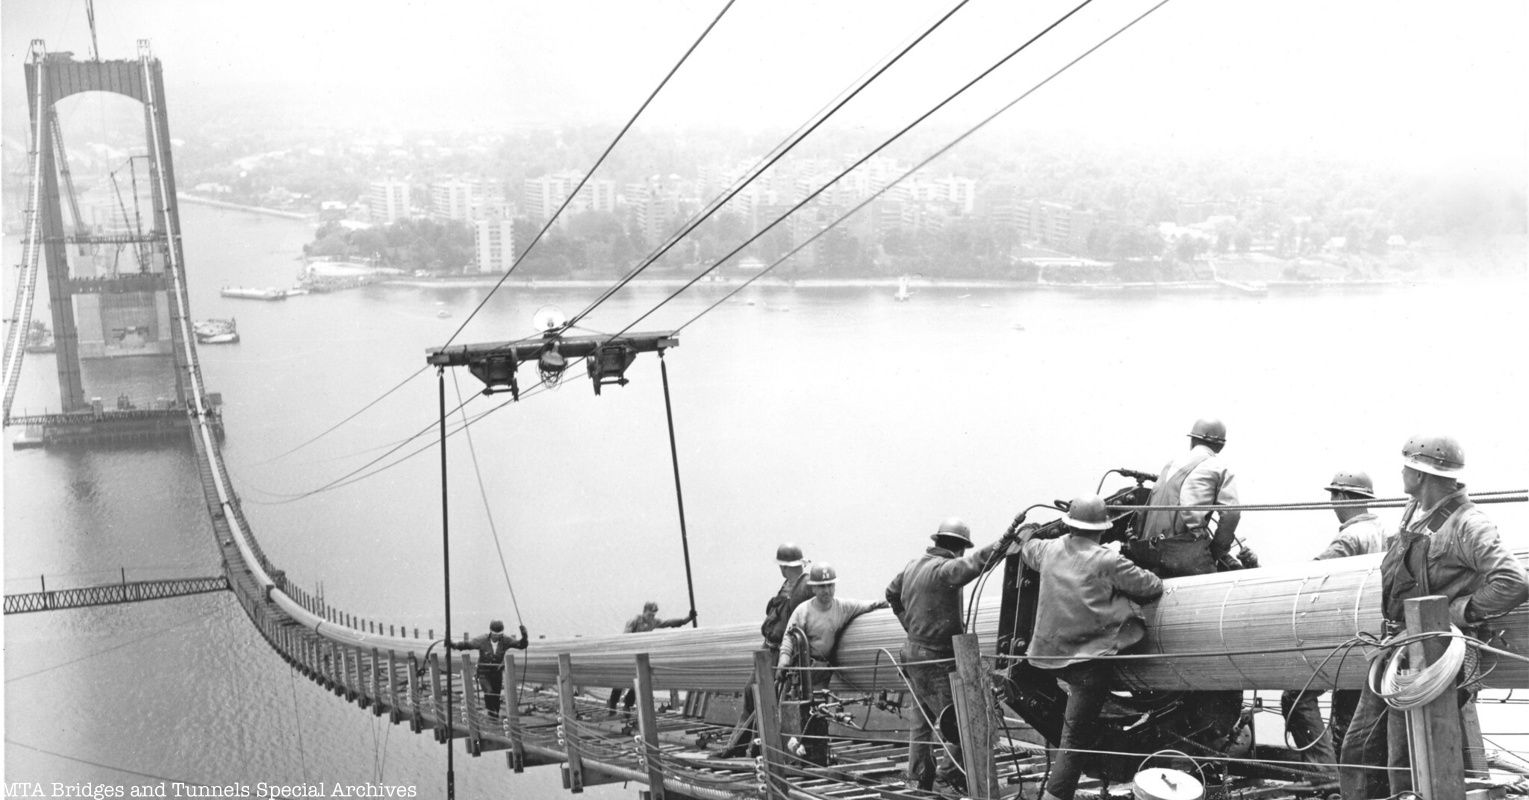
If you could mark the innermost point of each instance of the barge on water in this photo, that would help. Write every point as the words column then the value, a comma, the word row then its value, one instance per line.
column 254, row 293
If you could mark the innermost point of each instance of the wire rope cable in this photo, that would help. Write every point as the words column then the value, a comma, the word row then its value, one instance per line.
column 883, row 190
column 779, row 152
column 863, row 159
column 359, row 412
column 598, row 161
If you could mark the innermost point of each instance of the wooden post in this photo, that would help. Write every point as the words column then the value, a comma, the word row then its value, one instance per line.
column 395, row 708
column 570, row 718
column 647, row 723
column 376, row 683
column 439, row 697
column 1438, row 770
column 470, row 707
column 416, row 723
column 509, row 706
column 767, row 712
column 974, row 713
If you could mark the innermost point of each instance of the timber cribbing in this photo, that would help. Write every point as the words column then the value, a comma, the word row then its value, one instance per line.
column 111, row 593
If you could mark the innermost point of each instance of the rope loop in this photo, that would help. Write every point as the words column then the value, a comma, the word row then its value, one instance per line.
column 1405, row 689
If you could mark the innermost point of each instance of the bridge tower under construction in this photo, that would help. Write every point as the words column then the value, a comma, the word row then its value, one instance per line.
column 114, row 267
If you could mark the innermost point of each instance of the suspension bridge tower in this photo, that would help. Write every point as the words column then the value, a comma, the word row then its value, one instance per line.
column 104, row 307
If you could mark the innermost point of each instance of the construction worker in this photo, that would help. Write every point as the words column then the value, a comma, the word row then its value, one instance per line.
column 642, row 623
column 927, row 599
column 1359, row 533
column 1445, row 546
column 820, row 623
column 793, row 592
column 491, row 648
column 1086, row 609
column 1183, row 542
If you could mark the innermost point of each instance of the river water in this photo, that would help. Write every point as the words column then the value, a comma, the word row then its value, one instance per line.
column 835, row 418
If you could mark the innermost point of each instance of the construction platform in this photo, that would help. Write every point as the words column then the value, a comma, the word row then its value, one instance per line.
column 98, row 427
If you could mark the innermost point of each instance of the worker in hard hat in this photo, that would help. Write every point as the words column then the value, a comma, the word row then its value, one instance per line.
column 491, row 648
column 642, row 623
column 1184, row 541
column 927, row 599
column 820, row 623
column 1359, row 533
column 1445, row 546
column 793, row 592
column 1086, row 612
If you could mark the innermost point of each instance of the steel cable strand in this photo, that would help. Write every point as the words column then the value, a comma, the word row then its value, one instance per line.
column 895, row 181
column 601, row 160
column 852, row 167
column 358, row 412
column 778, row 152
column 356, row 475
column 630, row 122
column 1500, row 496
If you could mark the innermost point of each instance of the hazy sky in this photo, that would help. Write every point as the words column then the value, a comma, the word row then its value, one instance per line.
column 1419, row 81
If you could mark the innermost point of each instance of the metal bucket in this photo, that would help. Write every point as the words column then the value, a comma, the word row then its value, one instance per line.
column 1162, row 783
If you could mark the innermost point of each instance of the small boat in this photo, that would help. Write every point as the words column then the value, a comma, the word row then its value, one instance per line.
column 216, row 331
column 39, row 338
column 248, row 293
column 902, row 290
column 443, row 313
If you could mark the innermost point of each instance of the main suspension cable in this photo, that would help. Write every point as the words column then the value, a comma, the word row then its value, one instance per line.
column 779, row 152
column 868, row 156
column 569, row 199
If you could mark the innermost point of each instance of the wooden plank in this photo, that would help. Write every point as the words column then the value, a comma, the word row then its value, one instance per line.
column 509, row 706
column 470, row 707
column 768, row 719
column 648, row 725
column 974, row 709
column 376, row 683
column 416, row 722
column 1438, row 768
column 574, row 770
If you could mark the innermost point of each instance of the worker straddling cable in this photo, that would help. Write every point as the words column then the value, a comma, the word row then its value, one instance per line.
column 819, row 623
column 491, row 648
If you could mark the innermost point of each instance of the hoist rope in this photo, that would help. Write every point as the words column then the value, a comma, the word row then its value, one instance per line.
column 777, row 153
column 899, row 179
column 488, row 510
column 440, row 383
column 852, row 167
column 587, row 175
column 679, row 495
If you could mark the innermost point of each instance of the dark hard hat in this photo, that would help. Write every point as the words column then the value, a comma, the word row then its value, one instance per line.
column 496, row 626
column 1210, row 429
column 788, row 555
column 955, row 529
column 1353, row 483
column 650, row 606
column 822, row 574
column 1087, row 513
column 1435, row 455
